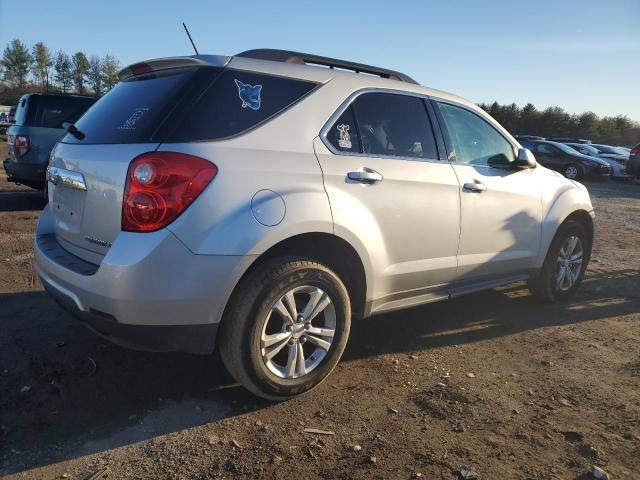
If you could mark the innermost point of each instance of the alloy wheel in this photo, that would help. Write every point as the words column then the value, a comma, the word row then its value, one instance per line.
column 298, row 332
column 571, row 172
column 570, row 260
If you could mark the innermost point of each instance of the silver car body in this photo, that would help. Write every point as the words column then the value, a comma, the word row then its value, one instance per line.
column 419, row 235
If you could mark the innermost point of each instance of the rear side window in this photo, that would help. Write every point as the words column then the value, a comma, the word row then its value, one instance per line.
column 234, row 103
column 394, row 125
column 343, row 135
column 53, row 111
column 134, row 109
column 473, row 139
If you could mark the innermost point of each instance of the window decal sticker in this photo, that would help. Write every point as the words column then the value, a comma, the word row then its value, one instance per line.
column 249, row 94
column 345, row 136
column 130, row 123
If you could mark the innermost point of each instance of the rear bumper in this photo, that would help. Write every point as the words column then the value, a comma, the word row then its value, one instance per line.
column 30, row 174
column 149, row 292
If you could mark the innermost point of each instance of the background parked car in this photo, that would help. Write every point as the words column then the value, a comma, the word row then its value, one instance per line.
column 527, row 137
column 564, row 159
column 618, row 163
column 569, row 140
column 37, row 128
column 12, row 115
column 633, row 166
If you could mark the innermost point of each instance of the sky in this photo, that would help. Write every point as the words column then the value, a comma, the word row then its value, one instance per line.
column 581, row 55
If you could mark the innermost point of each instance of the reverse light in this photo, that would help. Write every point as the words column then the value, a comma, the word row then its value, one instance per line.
column 160, row 186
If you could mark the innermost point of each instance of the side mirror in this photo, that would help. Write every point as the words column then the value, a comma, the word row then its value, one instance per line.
column 525, row 159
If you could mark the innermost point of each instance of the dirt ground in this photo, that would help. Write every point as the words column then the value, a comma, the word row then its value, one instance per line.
column 495, row 381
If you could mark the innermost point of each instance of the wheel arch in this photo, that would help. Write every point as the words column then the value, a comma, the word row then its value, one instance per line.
column 328, row 249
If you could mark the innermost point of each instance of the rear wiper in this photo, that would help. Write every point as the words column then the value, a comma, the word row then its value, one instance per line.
column 71, row 128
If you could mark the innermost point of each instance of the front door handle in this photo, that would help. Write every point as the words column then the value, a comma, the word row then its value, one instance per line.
column 366, row 175
column 476, row 186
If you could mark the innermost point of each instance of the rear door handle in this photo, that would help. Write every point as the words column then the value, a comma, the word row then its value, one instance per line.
column 366, row 175
column 476, row 186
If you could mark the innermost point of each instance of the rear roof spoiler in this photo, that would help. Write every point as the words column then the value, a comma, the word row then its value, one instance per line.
column 311, row 59
column 154, row 65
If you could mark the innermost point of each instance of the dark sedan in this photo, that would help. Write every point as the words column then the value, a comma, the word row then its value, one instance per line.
column 564, row 159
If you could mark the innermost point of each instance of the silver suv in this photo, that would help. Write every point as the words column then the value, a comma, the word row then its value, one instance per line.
column 257, row 203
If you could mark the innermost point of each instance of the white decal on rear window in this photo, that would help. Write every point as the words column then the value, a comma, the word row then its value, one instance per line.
column 130, row 123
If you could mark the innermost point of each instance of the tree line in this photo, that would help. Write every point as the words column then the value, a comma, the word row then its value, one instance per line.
column 555, row 122
column 38, row 69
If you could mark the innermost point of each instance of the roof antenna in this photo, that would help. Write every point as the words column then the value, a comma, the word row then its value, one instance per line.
column 190, row 39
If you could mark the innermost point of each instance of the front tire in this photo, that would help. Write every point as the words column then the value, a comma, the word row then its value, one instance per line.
column 285, row 328
column 565, row 264
column 573, row 171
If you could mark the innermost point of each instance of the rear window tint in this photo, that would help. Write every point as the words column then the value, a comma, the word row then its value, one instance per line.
column 234, row 103
column 134, row 109
column 52, row 112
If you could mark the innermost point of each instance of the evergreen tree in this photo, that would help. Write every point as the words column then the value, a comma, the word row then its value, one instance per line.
column 42, row 63
column 16, row 63
column 110, row 69
column 63, row 72
column 80, row 70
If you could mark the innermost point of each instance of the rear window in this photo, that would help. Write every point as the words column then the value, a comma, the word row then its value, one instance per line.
column 134, row 109
column 188, row 104
column 51, row 111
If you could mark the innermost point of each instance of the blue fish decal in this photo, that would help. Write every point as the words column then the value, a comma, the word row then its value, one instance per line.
column 249, row 94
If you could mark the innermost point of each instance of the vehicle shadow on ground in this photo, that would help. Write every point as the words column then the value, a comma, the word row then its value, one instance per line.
column 21, row 200
column 85, row 396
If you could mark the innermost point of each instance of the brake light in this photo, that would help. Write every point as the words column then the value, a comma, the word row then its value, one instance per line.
column 634, row 152
column 160, row 186
column 21, row 145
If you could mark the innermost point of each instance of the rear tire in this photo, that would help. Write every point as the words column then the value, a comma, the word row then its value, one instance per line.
column 285, row 328
column 573, row 171
column 551, row 285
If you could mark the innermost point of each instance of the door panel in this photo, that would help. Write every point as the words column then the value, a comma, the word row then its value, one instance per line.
column 501, row 226
column 409, row 221
column 500, row 205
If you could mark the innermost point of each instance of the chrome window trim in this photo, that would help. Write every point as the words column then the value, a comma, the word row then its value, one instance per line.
column 347, row 103
column 65, row 178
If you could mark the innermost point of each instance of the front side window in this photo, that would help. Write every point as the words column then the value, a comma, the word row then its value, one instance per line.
column 473, row 139
column 394, row 125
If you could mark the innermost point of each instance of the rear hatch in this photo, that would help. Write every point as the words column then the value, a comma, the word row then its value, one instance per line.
column 123, row 124
column 186, row 99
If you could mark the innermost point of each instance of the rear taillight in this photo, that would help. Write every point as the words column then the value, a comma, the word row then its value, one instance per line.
column 160, row 186
column 21, row 145
column 634, row 152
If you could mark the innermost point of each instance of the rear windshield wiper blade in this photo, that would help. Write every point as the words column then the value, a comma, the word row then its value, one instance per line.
column 71, row 128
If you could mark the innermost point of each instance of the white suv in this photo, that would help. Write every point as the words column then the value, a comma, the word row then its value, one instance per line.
column 257, row 203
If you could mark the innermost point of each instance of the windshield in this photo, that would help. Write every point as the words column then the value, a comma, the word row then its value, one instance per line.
column 586, row 149
column 609, row 150
column 565, row 148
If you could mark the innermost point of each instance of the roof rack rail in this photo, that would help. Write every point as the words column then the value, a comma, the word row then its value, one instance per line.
column 310, row 59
